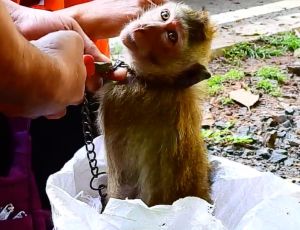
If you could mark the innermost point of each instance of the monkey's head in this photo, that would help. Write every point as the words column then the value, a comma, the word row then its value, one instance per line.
column 168, row 41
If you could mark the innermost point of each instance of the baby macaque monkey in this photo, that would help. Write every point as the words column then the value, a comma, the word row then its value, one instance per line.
column 152, row 122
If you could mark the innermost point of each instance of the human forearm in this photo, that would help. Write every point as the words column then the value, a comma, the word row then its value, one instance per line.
column 106, row 18
column 24, row 73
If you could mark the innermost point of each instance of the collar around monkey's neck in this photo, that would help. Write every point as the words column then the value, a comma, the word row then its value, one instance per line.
column 191, row 76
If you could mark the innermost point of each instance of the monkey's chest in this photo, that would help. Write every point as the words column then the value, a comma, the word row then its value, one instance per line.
column 139, row 122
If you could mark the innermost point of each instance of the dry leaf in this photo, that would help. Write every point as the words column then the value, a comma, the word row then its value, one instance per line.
column 244, row 97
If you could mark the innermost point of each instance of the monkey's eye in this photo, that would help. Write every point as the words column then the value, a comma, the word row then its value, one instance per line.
column 165, row 14
column 172, row 36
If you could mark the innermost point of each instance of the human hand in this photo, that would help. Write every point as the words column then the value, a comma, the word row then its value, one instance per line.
column 106, row 18
column 65, row 48
column 33, row 24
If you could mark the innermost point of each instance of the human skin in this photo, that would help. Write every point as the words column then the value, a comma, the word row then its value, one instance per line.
column 94, row 17
column 106, row 18
column 39, row 78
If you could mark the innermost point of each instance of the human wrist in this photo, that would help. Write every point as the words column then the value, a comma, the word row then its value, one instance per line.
column 42, row 81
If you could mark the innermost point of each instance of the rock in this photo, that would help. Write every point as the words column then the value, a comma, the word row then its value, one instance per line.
column 281, row 134
column 221, row 124
column 229, row 150
column 271, row 123
column 279, row 119
column 280, row 151
column 248, row 152
column 270, row 139
column 214, row 148
column 243, row 111
column 297, row 53
column 294, row 142
column 263, row 153
column 277, row 158
column 228, row 113
column 294, row 68
column 287, row 124
column 289, row 110
column 289, row 162
column 242, row 131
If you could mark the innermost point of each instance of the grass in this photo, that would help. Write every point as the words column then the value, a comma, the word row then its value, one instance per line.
column 266, row 47
column 251, row 50
column 270, row 79
column 287, row 41
column 226, row 101
column 269, row 86
column 272, row 73
column 225, row 137
column 234, row 74
column 215, row 83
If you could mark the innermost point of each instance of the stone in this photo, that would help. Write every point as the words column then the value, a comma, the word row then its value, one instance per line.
column 294, row 68
column 277, row 158
column 248, row 152
column 270, row 139
column 221, row 124
column 281, row 134
column 297, row 53
column 289, row 110
column 289, row 162
column 294, row 142
column 287, row 124
column 243, row 111
column 279, row 119
column 228, row 113
column 280, row 151
column 263, row 153
column 243, row 131
column 229, row 150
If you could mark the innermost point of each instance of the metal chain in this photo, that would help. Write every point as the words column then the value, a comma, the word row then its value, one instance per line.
column 120, row 63
column 91, row 154
column 88, row 140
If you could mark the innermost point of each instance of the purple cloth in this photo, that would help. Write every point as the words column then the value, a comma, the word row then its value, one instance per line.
column 19, row 186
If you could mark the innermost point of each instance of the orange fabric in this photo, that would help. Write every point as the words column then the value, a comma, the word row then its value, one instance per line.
column 103, row 46
column 54, row 4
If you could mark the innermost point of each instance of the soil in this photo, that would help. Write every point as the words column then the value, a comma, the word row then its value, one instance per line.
column 273, row 122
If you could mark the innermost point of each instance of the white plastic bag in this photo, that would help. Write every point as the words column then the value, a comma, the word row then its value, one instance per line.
column 244, row 199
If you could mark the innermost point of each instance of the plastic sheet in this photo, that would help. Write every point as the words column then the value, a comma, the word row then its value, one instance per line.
column 243, row 199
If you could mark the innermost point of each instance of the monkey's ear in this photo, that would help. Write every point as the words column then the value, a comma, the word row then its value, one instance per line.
column 192, row 76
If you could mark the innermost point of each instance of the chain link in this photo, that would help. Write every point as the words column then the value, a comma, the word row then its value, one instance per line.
column 87, row 125
column 91, row 154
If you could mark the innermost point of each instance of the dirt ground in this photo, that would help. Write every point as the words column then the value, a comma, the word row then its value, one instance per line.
column 220, row 6
column 256, row 120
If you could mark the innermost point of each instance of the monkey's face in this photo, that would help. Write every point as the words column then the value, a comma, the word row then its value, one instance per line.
column 157, row 36
column 159, row 42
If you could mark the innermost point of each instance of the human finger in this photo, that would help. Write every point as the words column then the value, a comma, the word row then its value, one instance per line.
column 118, row 75
column 89, row 46
column 58, row 115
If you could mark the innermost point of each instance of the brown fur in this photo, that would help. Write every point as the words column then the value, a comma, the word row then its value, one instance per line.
column 155, row 151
